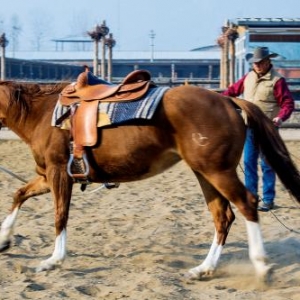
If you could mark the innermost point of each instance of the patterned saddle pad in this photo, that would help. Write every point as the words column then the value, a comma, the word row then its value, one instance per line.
column 118, row 112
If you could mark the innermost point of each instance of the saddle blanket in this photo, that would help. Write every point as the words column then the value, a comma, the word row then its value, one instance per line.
column 117, row 112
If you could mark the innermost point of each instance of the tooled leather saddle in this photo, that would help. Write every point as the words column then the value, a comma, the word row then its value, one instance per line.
column 89, row 88
column 82, row 98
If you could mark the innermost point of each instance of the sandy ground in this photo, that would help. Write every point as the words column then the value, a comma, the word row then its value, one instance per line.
column 136, row 242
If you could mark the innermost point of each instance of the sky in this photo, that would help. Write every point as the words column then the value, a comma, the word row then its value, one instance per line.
column 178, row 25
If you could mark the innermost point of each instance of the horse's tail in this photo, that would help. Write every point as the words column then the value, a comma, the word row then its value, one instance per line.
column 272, row 146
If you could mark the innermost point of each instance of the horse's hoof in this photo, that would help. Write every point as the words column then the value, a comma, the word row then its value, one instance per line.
column 48, row 265
column 194, row 274
column 266, row 277
column 4, row 246
column 191, row 276
column 44, row 267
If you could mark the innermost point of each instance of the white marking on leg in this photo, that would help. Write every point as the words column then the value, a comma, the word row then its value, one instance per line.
column 257, row 252
column 210, row 263
column 7, row 227
column 58, row 254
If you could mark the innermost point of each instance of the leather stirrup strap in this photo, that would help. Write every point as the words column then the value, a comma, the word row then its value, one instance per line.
column 85, row 124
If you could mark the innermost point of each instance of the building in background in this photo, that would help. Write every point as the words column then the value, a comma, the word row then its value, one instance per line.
column 281, row 35
column 39, row 70
column 212, row 66
column 201, row 65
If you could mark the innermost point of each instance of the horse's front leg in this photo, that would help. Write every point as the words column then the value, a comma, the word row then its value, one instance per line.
column 58, row 255
column 35, row 187
column 7, row 228
column 61, row 190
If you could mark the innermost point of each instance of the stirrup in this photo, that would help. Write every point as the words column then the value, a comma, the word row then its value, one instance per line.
column 81, row 167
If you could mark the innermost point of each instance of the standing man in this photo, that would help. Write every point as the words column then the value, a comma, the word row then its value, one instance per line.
column 267, row 89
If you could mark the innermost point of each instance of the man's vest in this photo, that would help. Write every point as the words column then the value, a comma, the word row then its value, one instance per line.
column 260, row 91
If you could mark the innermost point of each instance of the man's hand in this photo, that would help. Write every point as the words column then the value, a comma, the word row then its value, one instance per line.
column 277, row 121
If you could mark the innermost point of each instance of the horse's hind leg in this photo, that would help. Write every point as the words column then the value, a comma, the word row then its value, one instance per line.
column 223, row 218
column 228, row 184
column 35, row 187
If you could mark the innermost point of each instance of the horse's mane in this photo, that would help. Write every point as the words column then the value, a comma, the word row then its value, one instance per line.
column 21, row 95
column 48, row 89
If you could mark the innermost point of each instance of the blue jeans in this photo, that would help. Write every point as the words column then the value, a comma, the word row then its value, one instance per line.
column 251, row 157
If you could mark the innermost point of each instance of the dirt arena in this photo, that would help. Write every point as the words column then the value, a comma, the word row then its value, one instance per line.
column 136, row 242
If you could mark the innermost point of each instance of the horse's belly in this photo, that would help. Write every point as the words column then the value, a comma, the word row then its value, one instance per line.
column 131, row 168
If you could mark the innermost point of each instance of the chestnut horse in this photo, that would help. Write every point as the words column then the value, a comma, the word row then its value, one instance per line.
column 202, row 127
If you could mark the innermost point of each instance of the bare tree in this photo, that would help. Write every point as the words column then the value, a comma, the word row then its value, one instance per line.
column 41, row 29
column 79, row 23
column 14, row 33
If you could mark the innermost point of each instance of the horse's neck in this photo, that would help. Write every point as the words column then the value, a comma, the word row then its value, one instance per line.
column 39, row 116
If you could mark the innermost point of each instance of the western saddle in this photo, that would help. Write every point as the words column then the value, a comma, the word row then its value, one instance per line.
column 82, row 98
column 89, row 88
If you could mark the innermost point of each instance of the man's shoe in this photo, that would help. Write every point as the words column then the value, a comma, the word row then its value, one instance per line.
column 265, row 207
